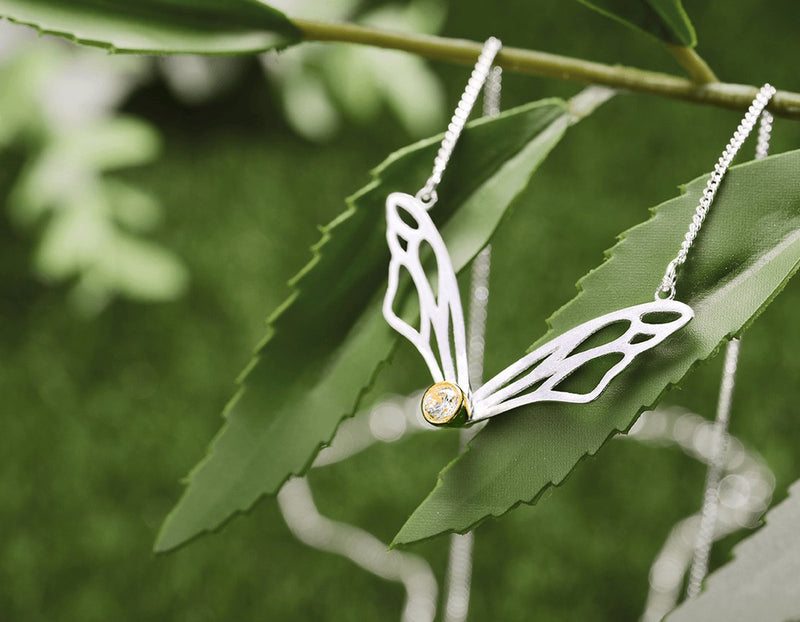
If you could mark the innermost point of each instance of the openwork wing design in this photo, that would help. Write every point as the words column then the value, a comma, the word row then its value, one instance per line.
column 409, row 232
column 537, row 377
column 551, row 364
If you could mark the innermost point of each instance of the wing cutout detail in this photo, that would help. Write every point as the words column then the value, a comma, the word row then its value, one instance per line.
column 554, row 361
column 441, row 314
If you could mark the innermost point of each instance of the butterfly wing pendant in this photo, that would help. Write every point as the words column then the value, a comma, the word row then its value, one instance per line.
column 440, row 336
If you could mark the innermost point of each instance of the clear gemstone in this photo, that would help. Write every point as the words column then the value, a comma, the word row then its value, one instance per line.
column 441, row 402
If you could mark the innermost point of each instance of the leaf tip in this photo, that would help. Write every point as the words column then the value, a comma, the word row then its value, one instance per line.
column 168, row 539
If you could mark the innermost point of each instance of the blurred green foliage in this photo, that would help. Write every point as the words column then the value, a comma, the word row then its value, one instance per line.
column 318, row 84
column 103, row 416
column 59, row 106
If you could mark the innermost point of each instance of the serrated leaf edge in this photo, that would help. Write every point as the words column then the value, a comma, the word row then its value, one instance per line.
column 295, row 283
column 292, row 35
column 608, row 255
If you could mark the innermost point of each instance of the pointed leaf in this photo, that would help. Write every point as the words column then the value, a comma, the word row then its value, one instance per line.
column 748, row 249
column 159, row 26
column 663, row 19
column 761, row 582
column 328, row 340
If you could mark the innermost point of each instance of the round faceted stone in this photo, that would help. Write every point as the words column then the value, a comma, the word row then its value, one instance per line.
column 442, row 403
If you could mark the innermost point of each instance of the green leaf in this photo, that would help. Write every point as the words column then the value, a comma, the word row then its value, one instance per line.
column 328, row 340
column 748, row 249
column 159, row 26
column 761, row 582
column 663, row 19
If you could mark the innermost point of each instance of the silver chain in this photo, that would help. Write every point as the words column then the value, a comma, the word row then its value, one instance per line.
column 708, row 514
column 459, row 567
column 764, row 135
column 481, row 266
column 479, row 300
column 427, row 194
column 667, row 287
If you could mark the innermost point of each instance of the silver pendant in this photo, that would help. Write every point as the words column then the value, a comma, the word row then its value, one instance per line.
column 441, row 338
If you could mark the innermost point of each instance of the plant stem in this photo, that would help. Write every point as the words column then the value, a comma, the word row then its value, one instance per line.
column 724, row 95
column 693, row 63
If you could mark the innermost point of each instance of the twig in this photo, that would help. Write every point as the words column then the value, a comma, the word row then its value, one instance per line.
column 693, row 63
column 720, row 94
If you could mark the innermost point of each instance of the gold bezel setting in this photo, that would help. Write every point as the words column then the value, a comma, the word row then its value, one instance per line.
column 444, row 403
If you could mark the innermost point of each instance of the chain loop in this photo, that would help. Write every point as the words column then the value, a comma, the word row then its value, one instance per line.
column 764, row 135
column 427, row 194
column 666, row 289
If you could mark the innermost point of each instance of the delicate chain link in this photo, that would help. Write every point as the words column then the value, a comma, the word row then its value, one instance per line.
column 481, row 266
column 479, row 300
column 459, row 567
column 491, row 92
column 708, row 514
column 667, row 287
column 764, row 135
column 427, row 194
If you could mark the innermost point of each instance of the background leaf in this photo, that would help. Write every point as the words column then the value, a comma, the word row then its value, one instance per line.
column 327, row 341
column 664, row 19
column 159, row 26
column 748, row 249
column 92, row 227
column 321, row 86
column 761, row 582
